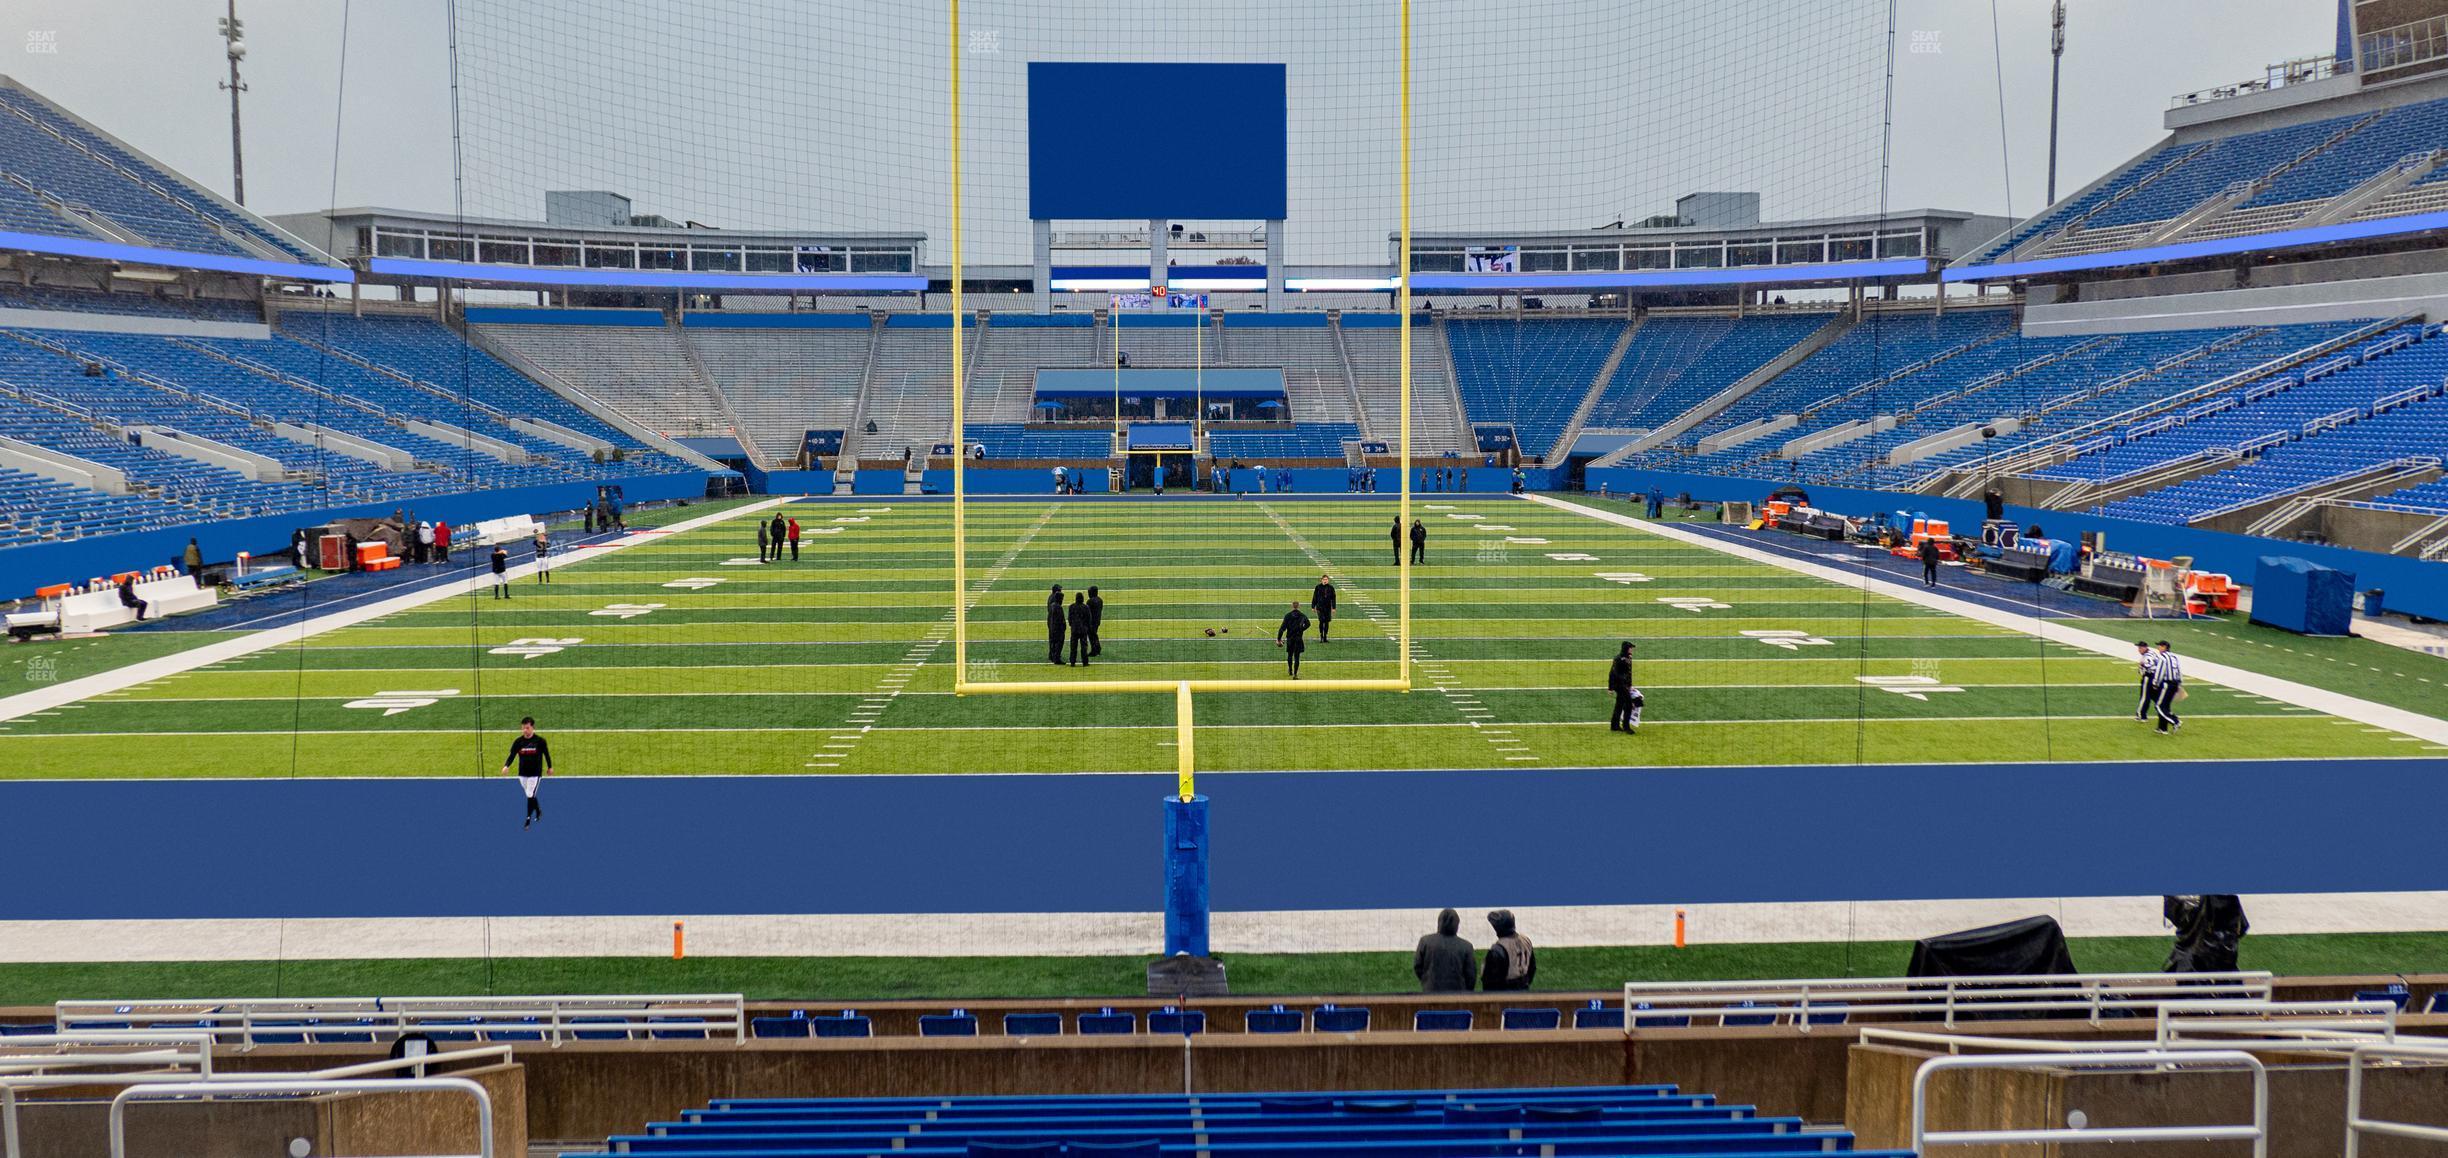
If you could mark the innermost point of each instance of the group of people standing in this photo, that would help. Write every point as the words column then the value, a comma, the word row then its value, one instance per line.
column 1419, row 541
column 2162, row 684
column 425, row 542
column 773, row 536
column 1292, row 633
column 1080, row 622
column 1446, row 963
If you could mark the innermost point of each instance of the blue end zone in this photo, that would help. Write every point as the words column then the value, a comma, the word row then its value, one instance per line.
column 1281, row 841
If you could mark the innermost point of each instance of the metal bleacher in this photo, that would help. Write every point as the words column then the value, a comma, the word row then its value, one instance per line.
column 1656, row 1120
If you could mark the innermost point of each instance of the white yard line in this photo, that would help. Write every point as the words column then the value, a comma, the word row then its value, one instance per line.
column 120, row 679
column 2361, row 711
column 1136, row 934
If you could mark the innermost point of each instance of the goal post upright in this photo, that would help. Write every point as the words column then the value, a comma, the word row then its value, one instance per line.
column 960, row 425
column 1402, row 315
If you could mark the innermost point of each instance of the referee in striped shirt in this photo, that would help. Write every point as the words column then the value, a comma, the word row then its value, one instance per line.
column 2167, row 683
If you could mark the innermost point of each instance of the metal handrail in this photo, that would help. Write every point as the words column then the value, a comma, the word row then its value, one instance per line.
column 155, row 1091
column 2356, row 1124
column 557, row 1019
column 2257, row 1132
column 2088, row 995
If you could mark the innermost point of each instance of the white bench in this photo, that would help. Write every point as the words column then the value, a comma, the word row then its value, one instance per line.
column 97, row 610
column 515, row 528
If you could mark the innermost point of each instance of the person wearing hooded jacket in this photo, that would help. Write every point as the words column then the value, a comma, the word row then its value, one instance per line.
column 1442, row 962
column 1511, row 963
column 1056, row 623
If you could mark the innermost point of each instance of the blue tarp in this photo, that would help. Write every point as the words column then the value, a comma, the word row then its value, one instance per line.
column 2302, row 596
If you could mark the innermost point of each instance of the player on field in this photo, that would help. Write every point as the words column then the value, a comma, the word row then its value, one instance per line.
column 501, row 572
column 534, row 759
column 1322, row 601
column 2167, row 679
column 1288, row 637
column 1628, row 698
column 543, row 549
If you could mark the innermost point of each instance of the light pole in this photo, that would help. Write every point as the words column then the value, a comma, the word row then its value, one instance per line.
column 234, row 33
column 2056, row 59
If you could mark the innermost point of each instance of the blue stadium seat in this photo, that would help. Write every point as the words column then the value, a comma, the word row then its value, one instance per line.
column 27, row 1028
column 1107, row 1022
column 849, row 1023
column 677, row 1033
column 1275, row 1019
column 1340, row 1019
column 1733, row 1019
column 1441, row 1019
column 536, row 1034
column 958, row 1023
column 1032, row 1024
column 430, row 1028
column 794, row 1025
column 1532, row 1018
column 1662, row 1021
column 598, row 1034
column 1598, row 1015
column 2395, row 993
column 1173, row 1020
column 2437, row 1004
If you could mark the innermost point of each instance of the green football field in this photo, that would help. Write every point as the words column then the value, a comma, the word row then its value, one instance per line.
column 685, row 655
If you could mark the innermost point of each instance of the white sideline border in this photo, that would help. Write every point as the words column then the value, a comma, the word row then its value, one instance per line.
column 59, row 695
column 2428, row 728
column 1140, row 934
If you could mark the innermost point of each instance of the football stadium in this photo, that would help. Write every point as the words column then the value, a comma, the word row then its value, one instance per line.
column 1877, row 567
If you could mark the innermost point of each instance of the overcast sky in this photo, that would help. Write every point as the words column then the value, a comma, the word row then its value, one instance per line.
column 146, row 70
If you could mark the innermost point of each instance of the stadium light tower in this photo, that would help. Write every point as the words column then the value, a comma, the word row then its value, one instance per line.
column 2056, row 58
column 233, row 34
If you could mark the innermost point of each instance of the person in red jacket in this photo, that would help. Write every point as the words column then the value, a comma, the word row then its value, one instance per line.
column 442, row 536
column 794, row 540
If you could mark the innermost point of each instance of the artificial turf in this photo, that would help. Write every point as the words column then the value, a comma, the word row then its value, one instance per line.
column 850, row 979
column 840, row 661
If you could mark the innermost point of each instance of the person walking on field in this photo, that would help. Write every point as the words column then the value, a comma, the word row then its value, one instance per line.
column 2142, row 664
column 794, row 540
column 501, row 572
column 1443, row 960
column 2167, row 684
column 1322, row 601
column 1929, row 561
column 1419, row 541
column 1511, row 963
column 1055, row 625
column 1078, row 622
column 534, row 759
column 1627, row 694
column 1288, row 637
column 1096, row 623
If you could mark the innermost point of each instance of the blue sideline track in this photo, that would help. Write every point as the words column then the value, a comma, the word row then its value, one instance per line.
column 165, row 849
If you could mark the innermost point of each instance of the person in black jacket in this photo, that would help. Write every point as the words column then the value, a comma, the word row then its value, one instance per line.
column 1419, row 541
column 501, row 572
column 1322, row 601
column 1096, row 623
column 1396, row 536
column 779, row 533
column 1511, row 963
column 764, row 541
column 1442, row 962
column 129, row 598
column 1929, row 561
column 1993, row 505
column 1288, row 637
column 1079, row 624
column 534, row 759
column 1627, row 694
column 1055, row 623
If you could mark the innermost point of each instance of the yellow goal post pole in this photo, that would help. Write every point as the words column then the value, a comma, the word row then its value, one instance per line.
column 1402, row 311
column 960, row 426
